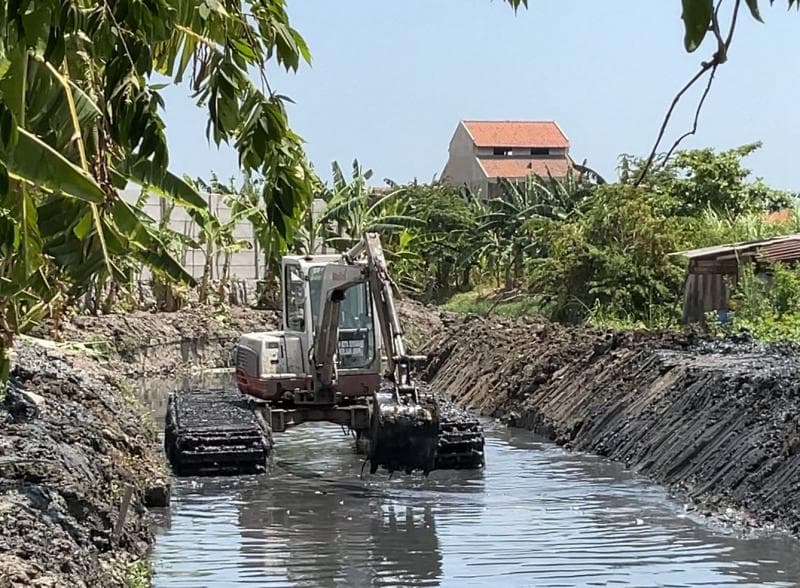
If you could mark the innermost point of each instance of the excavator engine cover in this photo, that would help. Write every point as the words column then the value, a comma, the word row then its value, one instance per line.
column 403, row 436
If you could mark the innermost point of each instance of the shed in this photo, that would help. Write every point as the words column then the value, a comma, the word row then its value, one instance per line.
column 712, row 269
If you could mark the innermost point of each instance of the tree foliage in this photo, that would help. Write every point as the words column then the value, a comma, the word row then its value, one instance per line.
column 81, row 117
column 765, row 303
column 697, row 17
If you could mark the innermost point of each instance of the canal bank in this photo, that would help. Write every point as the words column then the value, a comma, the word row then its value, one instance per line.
column 715, row 421
column 79, row 465
column 80, row 461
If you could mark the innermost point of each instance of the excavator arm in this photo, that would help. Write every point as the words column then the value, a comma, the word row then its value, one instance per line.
column 398, row 361
column 336, row 280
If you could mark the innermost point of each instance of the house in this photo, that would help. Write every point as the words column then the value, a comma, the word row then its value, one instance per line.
column 483, row 152
column 712, row 270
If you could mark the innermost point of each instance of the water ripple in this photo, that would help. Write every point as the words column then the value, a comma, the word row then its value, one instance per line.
column 537, row 516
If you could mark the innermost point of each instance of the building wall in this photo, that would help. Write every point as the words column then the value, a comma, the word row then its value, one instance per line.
column 703, row 293
column 462, row 165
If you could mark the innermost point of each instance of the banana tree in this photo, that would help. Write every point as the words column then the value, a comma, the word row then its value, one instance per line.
column 514, row 218
column 80, row 118
column 355, row 208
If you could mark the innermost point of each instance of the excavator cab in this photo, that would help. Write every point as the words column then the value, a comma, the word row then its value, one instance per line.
column 357, row 337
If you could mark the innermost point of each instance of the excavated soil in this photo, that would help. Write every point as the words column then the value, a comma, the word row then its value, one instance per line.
column 716, row 421
column 72, row 440
column 71, row 443
column 142, row 343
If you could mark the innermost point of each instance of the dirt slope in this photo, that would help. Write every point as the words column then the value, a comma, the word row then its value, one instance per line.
column 715, row 421
column 71, row 441
column 165, row 342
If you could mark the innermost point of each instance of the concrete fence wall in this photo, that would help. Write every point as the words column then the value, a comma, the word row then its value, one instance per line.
column 247, row 264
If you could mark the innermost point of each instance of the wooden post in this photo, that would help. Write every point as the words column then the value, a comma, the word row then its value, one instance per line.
column 123, row 512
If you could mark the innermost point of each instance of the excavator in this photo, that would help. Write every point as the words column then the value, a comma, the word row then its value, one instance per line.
column 340, row 358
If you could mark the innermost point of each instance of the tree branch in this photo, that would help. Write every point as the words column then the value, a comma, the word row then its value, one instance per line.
column 707, row 67
column 700, row 104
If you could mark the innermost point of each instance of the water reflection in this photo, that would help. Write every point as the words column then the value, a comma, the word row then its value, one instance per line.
column 537, row 516
column 332, row 538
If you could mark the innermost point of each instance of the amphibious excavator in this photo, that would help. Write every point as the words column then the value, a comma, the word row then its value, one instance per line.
column 341, row 357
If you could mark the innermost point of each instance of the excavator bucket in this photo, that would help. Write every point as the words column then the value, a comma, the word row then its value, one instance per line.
column 403, row 436
column 434, row 434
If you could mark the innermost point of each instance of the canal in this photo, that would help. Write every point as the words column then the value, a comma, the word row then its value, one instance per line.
column 536, row 516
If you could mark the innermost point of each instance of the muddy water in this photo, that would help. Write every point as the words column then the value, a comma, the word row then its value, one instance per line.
column 537, row 516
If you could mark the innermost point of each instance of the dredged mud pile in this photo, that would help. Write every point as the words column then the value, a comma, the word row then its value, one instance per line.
column 163, row 343
column 72, row 440
column 716, row 421
column 71, row 444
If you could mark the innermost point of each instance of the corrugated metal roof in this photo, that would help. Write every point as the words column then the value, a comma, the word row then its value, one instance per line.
column 785, row 245
column 781, row 251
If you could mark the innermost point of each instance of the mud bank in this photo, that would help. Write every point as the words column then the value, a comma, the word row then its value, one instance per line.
column 715, row 421
column 73, row 441
column 72, row 446
column 142, row 343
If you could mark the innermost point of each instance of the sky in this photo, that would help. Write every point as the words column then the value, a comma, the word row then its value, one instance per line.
column 390, row 80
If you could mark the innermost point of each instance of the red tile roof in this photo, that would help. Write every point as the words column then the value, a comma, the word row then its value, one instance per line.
column 509, row 133
column 779, row 216
column 513, row 167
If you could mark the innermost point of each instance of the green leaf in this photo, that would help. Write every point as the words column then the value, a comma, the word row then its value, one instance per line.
column 3, row 179
column 697, row 20
column 753, row 6
column 146, row 245
column 34, row 161
column 84, row 226
column 5, row 62
column 30, row 246
column 165, row 184
column 244, row 49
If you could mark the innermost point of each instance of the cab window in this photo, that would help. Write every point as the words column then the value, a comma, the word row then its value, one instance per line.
column 295, row 299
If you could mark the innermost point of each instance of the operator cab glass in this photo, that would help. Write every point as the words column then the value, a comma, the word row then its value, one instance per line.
column 295, row 299
column 356, row 328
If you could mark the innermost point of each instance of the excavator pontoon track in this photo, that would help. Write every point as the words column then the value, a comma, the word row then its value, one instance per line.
column 461, row 440
column 434, row 434
column 214, row 431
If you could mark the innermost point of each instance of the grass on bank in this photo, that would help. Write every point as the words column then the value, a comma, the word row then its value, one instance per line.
column 487, row 303
column 767, row 310
column 139, row 574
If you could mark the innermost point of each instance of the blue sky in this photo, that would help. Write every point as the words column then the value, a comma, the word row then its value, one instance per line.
column 391, row 79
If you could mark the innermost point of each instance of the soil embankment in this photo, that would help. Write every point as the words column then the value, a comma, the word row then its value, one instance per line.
column 73, row 442
column 72, row 446
column 142, row 343
column 716, row 421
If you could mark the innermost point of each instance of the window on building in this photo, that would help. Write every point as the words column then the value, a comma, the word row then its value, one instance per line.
column 540, row 151
column 502, row 151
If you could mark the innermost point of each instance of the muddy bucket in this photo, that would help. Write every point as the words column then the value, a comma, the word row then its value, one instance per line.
column 403, row 437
